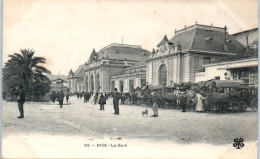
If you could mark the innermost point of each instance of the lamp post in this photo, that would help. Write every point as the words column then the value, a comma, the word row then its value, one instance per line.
column 153, row 52
column 225, row 74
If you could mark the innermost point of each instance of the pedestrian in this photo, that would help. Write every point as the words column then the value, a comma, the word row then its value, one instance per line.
column 106, row 95
column 199, row 105
column 85, row 97
column 96, row 98
column 183, row 101
column 67, row 97
column 122, row 98
column 81, row 95
column 102, row 101
column 116, row 97
column 155, row 106
column 77, row 94
column 20, row 99
column 178, row 98
column 4, row 94
column 61, row 97
column 134, row 97
column 88, row 96
column 53, row 96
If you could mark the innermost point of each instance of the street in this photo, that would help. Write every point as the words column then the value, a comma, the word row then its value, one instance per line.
column 86, row 123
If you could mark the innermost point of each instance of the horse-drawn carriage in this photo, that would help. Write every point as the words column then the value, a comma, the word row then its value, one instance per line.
column 143, row 96
column 229, row 95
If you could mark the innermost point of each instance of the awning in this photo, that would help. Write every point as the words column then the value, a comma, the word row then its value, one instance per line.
column 235, row 67
column 228, row 83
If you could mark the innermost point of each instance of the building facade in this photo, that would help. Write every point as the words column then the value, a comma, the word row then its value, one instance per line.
column 179, row 59
column 242, row 66
column 76, row 80
column 244, row 69
column 129, row 79
column 108, row 62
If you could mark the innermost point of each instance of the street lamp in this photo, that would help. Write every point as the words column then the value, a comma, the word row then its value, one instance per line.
column 225, row 74
column 153, row 52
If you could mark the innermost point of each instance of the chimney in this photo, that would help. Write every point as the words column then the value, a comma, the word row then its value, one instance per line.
column 225, row 38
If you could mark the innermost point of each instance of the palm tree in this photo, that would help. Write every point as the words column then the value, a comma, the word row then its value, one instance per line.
column 24, row 69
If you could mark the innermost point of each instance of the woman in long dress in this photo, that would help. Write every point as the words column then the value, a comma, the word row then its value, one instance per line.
column 199, row 106
column 155, row 105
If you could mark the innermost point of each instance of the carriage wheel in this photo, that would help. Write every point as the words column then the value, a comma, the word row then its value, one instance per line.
column 149, row 102
column 166, row 103
column 254, row 104
column 232, row 107
column 211, row 107
column 223, row 109
column 242, row 105
column 127, row 101
column 138, row 101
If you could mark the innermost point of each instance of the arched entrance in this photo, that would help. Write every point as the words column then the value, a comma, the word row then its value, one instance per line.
column 86, row 84
column 98, row 83
column 162, row 75
column 92, row 83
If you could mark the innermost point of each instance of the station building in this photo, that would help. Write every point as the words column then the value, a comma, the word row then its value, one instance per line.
column 110, row 61
column 179, row 59
column 242, row 66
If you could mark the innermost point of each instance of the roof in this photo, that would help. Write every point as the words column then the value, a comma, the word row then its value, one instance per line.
column 246, row 31
column 123, row 52
column 59, row 79
column 241, row 56
column 235, row 67
column 55, row 77
column 79, row 72
column 197, row 38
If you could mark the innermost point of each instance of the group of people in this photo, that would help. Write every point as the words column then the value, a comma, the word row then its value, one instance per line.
column 181, row 100
column 186, row 98
column 60, row 97
column 102, row 98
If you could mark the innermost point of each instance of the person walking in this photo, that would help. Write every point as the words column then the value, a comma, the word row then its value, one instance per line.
column 81, row 94
column 178, row 99
column 183, row 101
column 106, row 95
column 4, row 94
column 67, row 97
column 102, row 101
column 20, row 99
column 155, row 104
column 53, row 97
column 88, row 96
column 85, row 97
column 96, row 98
column 116, row 97
column 77, row 94
column 122, row 98
column 61, row 97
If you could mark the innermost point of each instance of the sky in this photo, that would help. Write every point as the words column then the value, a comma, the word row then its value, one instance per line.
column 66, row 31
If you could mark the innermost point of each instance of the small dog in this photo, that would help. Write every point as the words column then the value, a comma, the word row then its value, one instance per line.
column 145, row 112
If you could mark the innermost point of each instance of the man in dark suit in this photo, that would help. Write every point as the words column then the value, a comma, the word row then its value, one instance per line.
column 61, row 97
column 20, row 99
column 116, row 97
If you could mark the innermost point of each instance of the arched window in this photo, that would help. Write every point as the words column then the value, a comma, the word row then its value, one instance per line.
column 162, row 75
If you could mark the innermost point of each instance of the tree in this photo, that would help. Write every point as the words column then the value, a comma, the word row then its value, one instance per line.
column 24, row 69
